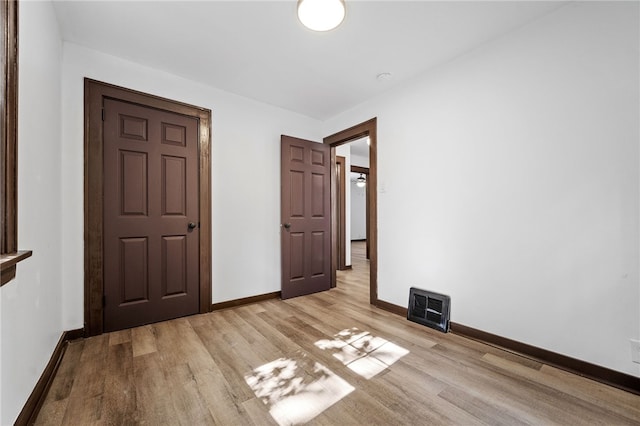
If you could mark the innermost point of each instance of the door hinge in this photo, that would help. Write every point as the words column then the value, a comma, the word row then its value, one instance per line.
column 102, row 114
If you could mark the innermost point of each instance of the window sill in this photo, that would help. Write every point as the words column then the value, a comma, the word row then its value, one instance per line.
column 8, row 263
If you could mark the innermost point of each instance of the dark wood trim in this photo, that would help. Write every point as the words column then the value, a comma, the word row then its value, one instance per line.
column 334, row 220
column 582, row 368
column 204, row 148
column 390, row 307
column 351, row 134
column 76, row 334
column 7, row 275
column 341, row 214
column 600, row 374
column 367, row 213
column 8, row 264
column 31, row 408
column 11, row 259
column 9, row 121
column 94, row 94
column 358, row 169
column 367, row 128
column 359, row 241
column 245, row 301
column 9, row 145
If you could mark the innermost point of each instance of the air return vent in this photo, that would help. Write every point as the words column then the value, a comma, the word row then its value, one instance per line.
column 430, row 309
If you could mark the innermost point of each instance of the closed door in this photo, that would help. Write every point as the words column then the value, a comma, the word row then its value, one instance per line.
column 306, row 217
column 150, row 215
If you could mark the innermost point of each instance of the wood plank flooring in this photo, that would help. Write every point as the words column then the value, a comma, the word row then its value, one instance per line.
column 326, row 359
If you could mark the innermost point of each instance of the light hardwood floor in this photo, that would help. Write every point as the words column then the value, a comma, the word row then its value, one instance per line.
column 327, row 359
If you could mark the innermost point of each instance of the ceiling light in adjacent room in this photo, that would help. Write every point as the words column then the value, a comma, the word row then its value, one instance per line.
column 361, row 181
column 321, row 15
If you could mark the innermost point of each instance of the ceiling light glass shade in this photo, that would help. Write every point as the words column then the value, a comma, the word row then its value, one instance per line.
column 321, row 15
column 361, row 181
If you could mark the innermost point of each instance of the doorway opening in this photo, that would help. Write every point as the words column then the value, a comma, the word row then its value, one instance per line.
column 352, row 194
column 360, row 203
column 367, row 129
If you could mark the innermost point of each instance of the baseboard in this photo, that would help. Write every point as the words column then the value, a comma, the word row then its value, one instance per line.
column 245, row 301
column 600, row 374
column 582, row 368
column 74, row 334
column 390, row 307
column 31, row 408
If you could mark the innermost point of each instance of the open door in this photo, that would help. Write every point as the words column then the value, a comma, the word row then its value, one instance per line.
column 306, row 217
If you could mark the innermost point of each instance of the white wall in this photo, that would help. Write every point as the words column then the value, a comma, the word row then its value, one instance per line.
column 30, row 305
column 358, row 201
column 358, row 160
column 528, row 209
column 358, row 210
column 245, row 174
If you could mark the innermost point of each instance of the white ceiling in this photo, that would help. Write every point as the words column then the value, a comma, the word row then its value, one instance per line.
column 258, row 49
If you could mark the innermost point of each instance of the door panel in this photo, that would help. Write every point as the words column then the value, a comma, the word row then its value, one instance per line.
column 133, row 167
column 174, row 186
column 150, row 196
column 296, row 241
column 134, row 283
column 174, row 262
column 318, row 195
column 306, row 217
column 296, row 194
column 318, row 260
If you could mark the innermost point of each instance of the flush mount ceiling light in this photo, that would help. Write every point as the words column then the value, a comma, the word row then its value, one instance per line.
column 321, row 15
column 361, row 181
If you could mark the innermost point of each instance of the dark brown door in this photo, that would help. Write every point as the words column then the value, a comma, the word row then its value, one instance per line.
column 306, row 217
column 150, row 215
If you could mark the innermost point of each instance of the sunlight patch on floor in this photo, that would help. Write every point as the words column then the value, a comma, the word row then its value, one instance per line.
column 361, row 352
column 297, row 389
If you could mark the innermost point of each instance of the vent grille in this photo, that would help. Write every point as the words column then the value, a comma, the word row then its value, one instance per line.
column 419, row 306
column 430, row 309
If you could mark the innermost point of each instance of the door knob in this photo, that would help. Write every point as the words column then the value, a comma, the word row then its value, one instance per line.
column 192, row 225
column 287, row 225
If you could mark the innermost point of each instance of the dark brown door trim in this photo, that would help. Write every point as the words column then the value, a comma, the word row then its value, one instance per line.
column 341, row 214
column 358, row 169
column 367, row 128
column 94, row 94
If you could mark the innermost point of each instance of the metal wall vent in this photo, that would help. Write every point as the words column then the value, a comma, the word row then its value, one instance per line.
column 430, row 309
